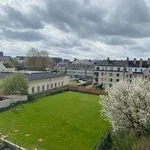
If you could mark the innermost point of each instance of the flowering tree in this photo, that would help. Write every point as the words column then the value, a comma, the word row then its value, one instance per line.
column 127, row 106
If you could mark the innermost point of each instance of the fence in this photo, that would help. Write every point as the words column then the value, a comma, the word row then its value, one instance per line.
column 86, row 90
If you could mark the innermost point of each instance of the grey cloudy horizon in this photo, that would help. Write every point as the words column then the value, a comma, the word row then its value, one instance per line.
column 83, row 29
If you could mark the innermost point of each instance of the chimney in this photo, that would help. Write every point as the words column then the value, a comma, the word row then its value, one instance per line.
column 134, row 61
column 148, row 61
column 127, row 59
column 141, row 63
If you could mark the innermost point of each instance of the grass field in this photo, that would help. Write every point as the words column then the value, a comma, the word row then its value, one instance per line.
column 66, row 121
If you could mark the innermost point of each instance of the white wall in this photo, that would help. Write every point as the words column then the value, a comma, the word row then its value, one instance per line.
column 12, row 99
column 44, row 82
column 4, row 69
column 5, row 103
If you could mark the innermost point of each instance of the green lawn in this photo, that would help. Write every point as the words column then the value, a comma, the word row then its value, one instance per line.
column 66, row 121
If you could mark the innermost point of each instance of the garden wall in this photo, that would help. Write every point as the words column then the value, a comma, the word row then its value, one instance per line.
column 5, row 103
column 86, row 90
column 12, row 99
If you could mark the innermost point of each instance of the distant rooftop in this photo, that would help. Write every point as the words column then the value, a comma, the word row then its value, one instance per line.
column 84, row 62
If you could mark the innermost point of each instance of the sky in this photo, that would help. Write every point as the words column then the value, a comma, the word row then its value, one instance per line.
column 82, row 29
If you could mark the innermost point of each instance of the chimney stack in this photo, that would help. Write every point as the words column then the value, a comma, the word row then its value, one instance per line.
column 141, row 63
column 134, row 61
column 148, row 61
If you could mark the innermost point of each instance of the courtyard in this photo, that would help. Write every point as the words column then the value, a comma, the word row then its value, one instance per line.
column 66, row 121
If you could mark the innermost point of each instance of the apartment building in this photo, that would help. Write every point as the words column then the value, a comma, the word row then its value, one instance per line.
column 81, row 69
column 61, row 67
column 108, row 72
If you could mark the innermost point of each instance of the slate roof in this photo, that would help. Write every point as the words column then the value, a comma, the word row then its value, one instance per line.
column 84, row 62
column 117, row 63
column 34, row 76
column 122, row 63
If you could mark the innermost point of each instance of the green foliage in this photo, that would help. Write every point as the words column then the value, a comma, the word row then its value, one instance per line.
column 65, row 121
column 9, row 64
column 15, row 84
column 142, row 144
column 124, row 141
column 105, row 143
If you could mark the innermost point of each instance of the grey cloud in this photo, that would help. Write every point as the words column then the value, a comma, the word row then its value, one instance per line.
column 24, row 36
column 18, row 19
column 111, row 40
column 121, row 25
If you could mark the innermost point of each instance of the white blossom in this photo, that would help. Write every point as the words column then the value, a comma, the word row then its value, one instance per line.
column 127, row 105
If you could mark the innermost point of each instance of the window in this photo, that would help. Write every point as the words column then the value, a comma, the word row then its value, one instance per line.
column 38, row 88
column 43, row 88
column 55, row 85
column 51, row 85
column 118, row 74
column 117, row 80
column 62, row 83
column 141, row 70
column 110, row 74
column 102, row 73
column 106, row 68
column 110, row 80
column 47, row 86
column 135, row 70
column 130, row 76
column 32, row 89
column 127, row 75
column 58, row 84
column 118, row 69
column 110, row 85
column 97, row 68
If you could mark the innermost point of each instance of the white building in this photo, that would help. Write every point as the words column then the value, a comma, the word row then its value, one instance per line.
column 40, row 82
column 107, row 72
column 5, row 68
column 61, row 67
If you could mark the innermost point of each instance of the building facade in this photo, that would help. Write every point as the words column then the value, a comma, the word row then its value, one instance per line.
column 108, row 72
column 81, row 69
column 44, row 81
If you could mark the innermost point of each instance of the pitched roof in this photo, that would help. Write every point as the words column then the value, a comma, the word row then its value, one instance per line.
column 117, row 63
column 35, row 76
column 84, row 62
column 122, row 63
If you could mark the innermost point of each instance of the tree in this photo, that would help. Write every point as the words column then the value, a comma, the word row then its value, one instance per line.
column 15, row 84
column 39, row 59
column 127, row 106
column 32, row 57
column 44, row 58
column 9, row 64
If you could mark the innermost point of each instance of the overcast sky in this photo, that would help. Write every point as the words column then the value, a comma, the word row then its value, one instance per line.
column 85, row 29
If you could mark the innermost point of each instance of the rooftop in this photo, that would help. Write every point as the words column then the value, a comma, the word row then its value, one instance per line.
column 34, row 76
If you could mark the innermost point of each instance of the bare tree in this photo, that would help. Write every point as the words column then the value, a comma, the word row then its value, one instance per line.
column 32, row 57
